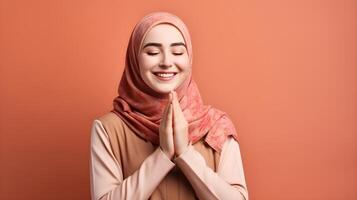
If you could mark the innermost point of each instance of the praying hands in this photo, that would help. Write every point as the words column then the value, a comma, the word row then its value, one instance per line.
column 173, row 128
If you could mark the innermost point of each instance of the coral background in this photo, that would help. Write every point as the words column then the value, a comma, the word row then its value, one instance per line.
column 285, row 71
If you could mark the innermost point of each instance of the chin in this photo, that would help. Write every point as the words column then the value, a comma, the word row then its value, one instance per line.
column 164, row 90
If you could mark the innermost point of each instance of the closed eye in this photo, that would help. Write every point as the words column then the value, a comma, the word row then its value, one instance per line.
column 152, row 53
column 178, row 54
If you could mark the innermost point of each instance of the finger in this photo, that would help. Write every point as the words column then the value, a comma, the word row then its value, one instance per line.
column 169, row 112
column 173, row 103
column 176, row 108
column 175, row 99
column 171, row 96
column 164, row 114
column 168, row 121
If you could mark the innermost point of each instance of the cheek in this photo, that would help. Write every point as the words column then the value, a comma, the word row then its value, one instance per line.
column 146, row 62
column 184, row 63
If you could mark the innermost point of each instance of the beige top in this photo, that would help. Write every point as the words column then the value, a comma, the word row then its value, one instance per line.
column 124, row 166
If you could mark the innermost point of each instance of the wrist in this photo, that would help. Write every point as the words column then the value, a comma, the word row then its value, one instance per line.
column 168, row 155
column 181, row 151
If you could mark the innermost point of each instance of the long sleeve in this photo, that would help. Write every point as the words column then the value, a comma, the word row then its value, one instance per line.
column 227, row 183
column 106, row 174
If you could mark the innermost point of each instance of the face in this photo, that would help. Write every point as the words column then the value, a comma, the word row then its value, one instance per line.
column 163, row 59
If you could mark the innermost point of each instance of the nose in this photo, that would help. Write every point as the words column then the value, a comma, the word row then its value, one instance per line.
column 166, row 61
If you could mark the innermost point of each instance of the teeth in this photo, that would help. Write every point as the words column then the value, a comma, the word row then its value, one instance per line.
column 165, row 75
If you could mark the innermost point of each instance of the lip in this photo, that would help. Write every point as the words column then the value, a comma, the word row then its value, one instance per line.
column 164, row 72
column 165, row 78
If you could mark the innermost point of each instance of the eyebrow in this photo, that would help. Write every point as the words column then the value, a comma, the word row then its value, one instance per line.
column 160, row 45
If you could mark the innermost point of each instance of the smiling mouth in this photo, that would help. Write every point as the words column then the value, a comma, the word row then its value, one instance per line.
column 165, row 76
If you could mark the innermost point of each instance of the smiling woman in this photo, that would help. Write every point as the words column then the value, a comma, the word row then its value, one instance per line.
column 160, row 141
column 163, row 59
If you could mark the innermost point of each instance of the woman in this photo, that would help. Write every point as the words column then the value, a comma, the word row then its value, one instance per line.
column 160, row 141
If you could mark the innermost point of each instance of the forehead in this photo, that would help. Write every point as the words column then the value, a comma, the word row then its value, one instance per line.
column 163, row 33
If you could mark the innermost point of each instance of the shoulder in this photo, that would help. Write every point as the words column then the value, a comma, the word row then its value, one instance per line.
column 230, row 155
column 227, row 124
column 110, row 121
column 108, row 118
column 230, row 145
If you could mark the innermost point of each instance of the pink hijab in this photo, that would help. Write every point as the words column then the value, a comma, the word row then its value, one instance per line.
column 141, row 107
